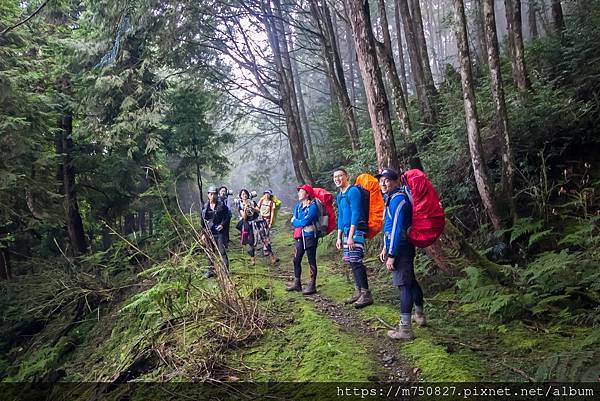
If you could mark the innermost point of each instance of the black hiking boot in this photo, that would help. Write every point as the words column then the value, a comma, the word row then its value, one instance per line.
column 365, row 299
column 311, row 288
column 296, row 286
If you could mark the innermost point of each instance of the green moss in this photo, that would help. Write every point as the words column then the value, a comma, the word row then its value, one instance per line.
column 311, row 349
column 43, row 361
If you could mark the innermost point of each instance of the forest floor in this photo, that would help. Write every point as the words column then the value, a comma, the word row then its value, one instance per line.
column 127, row 334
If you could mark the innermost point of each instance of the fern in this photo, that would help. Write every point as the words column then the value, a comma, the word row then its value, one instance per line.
column 525, row 226
column 584, row 234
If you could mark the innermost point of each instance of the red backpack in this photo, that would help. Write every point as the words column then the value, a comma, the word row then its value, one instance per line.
column 428, row 218
column 327, row 222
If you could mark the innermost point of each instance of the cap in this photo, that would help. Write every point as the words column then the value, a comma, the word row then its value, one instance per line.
column 268, row 191
column 212, row 189
column 388, row 173
column 309, row 190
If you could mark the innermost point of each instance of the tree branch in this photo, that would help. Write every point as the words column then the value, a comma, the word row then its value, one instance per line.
column 10, row 28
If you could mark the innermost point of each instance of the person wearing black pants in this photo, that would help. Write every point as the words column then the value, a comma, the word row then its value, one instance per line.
column 306, row 214
column 399, row 255
column 214, row 216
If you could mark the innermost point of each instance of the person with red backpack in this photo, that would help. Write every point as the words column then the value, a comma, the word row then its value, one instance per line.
column 398, row 253
column 305, row 221
column 351, row 229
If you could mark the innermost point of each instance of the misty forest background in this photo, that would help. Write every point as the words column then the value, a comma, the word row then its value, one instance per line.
column 115, row 117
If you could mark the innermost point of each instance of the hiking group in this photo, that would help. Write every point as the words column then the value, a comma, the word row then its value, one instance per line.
column 405, row 206
column 255, row 222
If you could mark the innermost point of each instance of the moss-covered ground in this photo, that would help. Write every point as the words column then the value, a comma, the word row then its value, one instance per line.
column 135, row 330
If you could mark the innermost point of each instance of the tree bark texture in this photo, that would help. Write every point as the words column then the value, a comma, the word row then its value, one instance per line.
column 515, row 34
column 387, row 59
column 475, row 147
column 480, row 31
column 501, row 120
column 302, row 109
column 66, row 175
column 335, row 68
column 276, row 35
column 426, row 106
column 558, row 19
column 532, row 19
column 401, row 62
column 417, row 19
column 364, row 41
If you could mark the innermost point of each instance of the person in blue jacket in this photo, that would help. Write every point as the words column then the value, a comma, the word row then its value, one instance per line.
column 306, row 215
column 351, row 230
column 398, row 253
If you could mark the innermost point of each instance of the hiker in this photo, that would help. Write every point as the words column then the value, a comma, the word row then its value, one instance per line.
column 306, row 215
column 399, row 255
column 248, row 212
column 214, row 216
column 224, row 197
column 266, row 207
column 350, row 238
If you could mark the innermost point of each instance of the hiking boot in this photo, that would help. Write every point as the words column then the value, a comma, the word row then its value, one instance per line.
column 354, row 297
column 365, row 299
column 209, row 273
column 311, row 288
column 274, row 259
column 419, row 319
column 296, row 286
column 253, row 260
column 404, row 332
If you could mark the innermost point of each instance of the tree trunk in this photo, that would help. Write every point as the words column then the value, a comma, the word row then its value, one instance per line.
column 433, row 40
column 501, row 123
column 66, row 175
column 333, row 61
column 276, row 35
column 387, row 59
column 422, row 44
column 532, row 19
column 351, row 72
column 150, row 223
column 558, row 19
column 142, row 221
column 515, row 35
column 5, row 270
column 428, row 112
column 364, row 41
column 302, row 108
column 480, row 32
column 401, row 61
column 475, row 147
column 129, row 225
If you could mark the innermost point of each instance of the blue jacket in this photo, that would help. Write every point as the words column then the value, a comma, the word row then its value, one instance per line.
column 305, row 217
column 349, row 208
column 398, row 218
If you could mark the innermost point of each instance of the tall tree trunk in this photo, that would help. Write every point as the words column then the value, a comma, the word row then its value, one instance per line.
column 276, row 35
column 501, row 123
column 364, row 41
column 558, row 19
column 426, row 107
column 433, row 40
column 302, row 108
column 480, row 32
column 333, row 61
column 351, row 72
column 515, row 35
column 532, row 19
column 477, row 157
column 401, row 62
column 417, row 19
column 66, row 175
column 387, row 59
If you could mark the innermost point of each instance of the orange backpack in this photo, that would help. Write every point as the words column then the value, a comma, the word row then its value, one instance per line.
column 368, row 183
